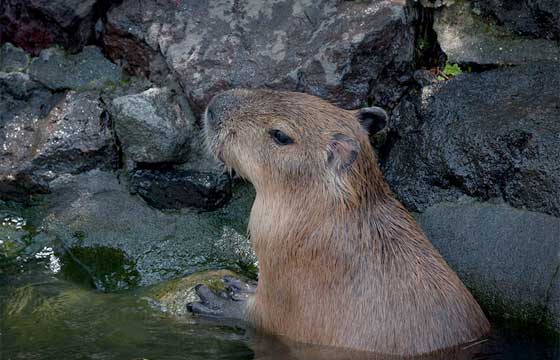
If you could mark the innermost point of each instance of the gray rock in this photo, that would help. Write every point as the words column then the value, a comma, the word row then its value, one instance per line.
column 508, row 257
column 468, row 38
column 45, row 135
column 22, row 103
column 76, row 136
column 176, row 189
column 487, row 135
column 88, row 69
column 38, row 24
column 346, row 52
column 424, row 77
column 94, row 209
column 535, row 18
column 18, row 85
column 153, row 126
column 13, row 58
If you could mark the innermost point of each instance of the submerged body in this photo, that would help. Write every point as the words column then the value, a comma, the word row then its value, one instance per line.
column 341, row 262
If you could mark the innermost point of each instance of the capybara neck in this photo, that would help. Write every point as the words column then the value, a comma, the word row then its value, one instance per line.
column 313, row 219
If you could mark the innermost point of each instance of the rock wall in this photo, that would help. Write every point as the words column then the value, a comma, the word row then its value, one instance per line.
column 112, row 113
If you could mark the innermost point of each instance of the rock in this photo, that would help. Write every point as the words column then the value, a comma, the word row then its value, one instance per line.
column 509, row 258
column 346, row 52
column 424, row 77
column 468, row 38
column 86, row 70
column 47, row 135
column 13, row 59
column 176, row 189
column 22, row 103
column 37, row 24
column 157, row 132
column 95, row 209
column 153, row 126
column 487, row 135
column 17, row 85
column 535, row 18
column 139, row 59
column 173, row 296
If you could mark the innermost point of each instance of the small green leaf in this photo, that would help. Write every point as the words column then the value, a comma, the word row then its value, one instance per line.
column 452, row 69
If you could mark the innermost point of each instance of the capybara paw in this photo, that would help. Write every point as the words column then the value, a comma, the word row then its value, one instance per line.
column 227, row 304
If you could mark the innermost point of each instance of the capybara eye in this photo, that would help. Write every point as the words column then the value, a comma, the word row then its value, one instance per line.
column 280, row 137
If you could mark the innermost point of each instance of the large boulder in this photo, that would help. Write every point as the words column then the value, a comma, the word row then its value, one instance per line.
column 487, row 135
column 508, row 257
column 45, row 135
column 86, row 70
column 466, row 37
column 38, row 24
column 347, row 52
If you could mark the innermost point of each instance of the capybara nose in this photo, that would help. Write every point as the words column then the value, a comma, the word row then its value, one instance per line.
column 217, row 108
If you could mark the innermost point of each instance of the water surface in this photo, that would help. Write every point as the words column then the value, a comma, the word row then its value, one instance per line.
column 46, row 317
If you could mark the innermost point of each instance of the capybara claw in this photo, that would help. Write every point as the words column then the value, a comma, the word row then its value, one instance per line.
column 203, row 310
column 234, row 285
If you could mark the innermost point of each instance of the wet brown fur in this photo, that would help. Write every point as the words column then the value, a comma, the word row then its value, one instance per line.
column 342, row 263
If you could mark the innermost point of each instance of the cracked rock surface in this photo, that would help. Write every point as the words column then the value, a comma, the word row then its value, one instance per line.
column 346, row 52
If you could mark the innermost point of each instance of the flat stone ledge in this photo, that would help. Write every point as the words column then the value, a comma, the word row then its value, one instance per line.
column 508, row 257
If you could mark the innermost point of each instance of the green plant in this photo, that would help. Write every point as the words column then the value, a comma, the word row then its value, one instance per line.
column 452, row 70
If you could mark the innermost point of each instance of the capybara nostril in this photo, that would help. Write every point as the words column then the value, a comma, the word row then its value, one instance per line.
column 210, row 118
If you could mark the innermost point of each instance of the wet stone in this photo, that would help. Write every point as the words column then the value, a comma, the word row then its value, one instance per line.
column 487, row 135
column 468, row 38
column 95, row 209
column 153, row 126
column 13, row 58
column 46, row 135
column 531, row 18
column 176, row 189
column 88, row 69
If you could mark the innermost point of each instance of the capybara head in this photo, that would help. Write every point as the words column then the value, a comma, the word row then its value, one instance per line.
column 285, row 139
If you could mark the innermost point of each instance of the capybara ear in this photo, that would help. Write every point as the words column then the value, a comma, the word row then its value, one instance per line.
column 342, row 152
column 373, row 119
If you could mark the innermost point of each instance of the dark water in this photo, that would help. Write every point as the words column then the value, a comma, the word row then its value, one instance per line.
column 44, row 317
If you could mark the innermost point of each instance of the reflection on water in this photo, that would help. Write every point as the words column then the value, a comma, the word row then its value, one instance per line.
column 503, row 344
column 44, row 317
